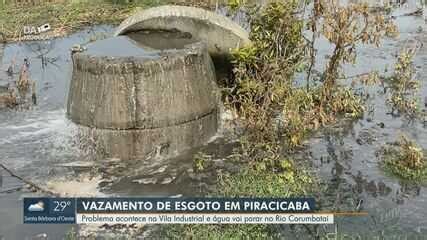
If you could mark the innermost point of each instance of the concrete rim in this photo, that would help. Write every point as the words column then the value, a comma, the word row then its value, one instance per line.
column 193, row 56
column 184, row 11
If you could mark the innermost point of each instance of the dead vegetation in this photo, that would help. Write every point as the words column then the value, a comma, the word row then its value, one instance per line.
column 275, row 109
column 278, row 114
column 345, row 27
column 9, row 99
column 404, row 86
column 20, row 90
column 23, row 84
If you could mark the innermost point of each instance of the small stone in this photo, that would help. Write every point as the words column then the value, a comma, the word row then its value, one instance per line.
column 167, row 180
column 145, row 181
column 9, row 71
column 26, row 62
column 41, row 236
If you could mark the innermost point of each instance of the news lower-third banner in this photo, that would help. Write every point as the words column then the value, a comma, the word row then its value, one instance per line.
column 173, row 211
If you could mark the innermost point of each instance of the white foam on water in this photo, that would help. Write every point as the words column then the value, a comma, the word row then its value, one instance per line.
column 44, row 124
column 45, row 136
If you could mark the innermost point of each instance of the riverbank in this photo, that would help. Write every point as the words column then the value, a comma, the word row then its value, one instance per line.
column 65, row 17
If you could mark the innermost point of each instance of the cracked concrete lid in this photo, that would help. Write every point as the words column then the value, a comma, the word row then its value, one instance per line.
column 218, row 32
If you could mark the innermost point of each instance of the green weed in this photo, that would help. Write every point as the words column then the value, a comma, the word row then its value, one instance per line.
column 256, row 181
column 405, row 159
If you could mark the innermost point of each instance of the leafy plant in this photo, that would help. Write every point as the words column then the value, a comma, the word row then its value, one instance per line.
column 71, row 235
column 235, row 4
column 276, row 113
column 404, row 86
column 405, row 159
column 345, row 26
column 264, row 71
column 201, row 162
column 255, row 181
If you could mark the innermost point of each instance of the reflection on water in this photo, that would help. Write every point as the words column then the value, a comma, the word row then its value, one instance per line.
column 162, row 40
column 345, row 155
column 123, row 47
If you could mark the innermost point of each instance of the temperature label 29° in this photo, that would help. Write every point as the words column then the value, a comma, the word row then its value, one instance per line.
column 50, row 210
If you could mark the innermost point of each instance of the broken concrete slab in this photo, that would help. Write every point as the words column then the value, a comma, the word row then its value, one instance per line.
column 218, row 32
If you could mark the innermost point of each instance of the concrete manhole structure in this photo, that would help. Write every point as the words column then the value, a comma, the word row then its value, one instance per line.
column 218, row 32
column 148, row 89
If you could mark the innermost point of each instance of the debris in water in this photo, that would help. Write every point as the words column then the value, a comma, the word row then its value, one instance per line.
column 78, row 164
column 86, row 186
column 77, row 48
column 167, row 180
column 381, row 125
column 359, row 206
column 418, row 12
column 145, row 181
column 8, row 99
column 24, row 80
column 26, row 62
column 29, row 183
column 11, row 190
column 33, row 93
column 41, row 236
column 10, row 70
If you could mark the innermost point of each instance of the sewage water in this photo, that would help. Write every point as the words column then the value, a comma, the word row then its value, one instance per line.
column 39, row 142
column 34, row 140
column 162, row 40
column 345, row 155
column 128, row 47
column 146, row 44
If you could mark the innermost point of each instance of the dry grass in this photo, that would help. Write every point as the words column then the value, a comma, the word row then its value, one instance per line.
column 62, row 17
column 67, row 16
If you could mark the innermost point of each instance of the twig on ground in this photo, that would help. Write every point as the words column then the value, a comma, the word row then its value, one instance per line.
column 33, row 185
column 15, row 189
